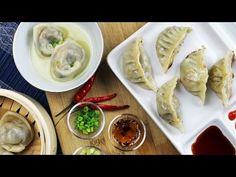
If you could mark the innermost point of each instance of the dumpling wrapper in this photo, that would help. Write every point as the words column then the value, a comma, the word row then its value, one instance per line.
column 168, row 44
column 137, row 67
column 221, row 78
column 47, row 37
column 67, row 61
column 5, row 152
column 194, row 74
column 168, row 106
column 15, row 132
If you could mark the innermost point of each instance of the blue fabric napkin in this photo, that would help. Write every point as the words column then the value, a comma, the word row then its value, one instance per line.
column 10, row 78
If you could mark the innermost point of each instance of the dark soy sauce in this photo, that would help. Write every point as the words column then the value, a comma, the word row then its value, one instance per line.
column 212, row 142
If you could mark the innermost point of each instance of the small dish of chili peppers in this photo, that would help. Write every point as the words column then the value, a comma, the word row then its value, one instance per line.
column 86, row 120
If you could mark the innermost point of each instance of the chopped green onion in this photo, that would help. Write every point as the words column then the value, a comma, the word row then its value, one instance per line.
column 55, row 42
column 87, row 120
column 90, row 151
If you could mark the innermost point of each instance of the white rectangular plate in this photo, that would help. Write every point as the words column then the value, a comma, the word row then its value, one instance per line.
column 216, row 37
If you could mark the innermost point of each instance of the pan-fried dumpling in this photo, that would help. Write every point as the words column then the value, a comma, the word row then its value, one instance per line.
column 168, row 106
column 47, row 37
column 137, row 66
column 168, row 44
column 15, row 132
column 194, row 74
column 221, row 78
column 67, row 61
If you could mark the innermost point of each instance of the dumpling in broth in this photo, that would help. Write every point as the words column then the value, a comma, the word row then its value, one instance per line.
column 15, row 132
column 47, row 37
column 194, row 74
column 67, row 61
column 168, row 44
column 168, row 106
column 221, row 78
column 137, row 66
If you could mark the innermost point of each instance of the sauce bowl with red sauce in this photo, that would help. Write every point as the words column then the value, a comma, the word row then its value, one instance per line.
column 127, row 132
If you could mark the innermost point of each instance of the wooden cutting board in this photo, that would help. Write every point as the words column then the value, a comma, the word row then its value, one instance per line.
column 106, row 82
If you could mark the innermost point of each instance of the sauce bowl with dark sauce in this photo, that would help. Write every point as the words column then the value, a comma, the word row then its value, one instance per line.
column 212, row 142
column 127, row 132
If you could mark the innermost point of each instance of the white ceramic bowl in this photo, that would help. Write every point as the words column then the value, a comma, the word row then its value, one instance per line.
column 22, row 56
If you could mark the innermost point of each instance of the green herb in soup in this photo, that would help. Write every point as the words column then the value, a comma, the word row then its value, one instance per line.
column 56, row 42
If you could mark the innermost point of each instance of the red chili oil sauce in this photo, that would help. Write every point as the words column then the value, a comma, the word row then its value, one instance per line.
column 212, row 142
column 232, row 115
column 126, row 132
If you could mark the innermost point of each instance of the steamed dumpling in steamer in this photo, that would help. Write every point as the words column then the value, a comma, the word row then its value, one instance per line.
column 168, row 44
column 47, row 37
column 221, row 77
column 194, row 73
column 5, row 152
column 137, row 67
column 67, row 61
column 15, row 132
column 168, row 106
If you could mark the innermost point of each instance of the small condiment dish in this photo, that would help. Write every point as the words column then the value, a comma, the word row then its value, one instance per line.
column 72, row 121
column 88, row 150
column 127, row 132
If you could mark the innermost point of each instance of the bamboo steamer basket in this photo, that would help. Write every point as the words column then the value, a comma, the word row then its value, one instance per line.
column 45, row 141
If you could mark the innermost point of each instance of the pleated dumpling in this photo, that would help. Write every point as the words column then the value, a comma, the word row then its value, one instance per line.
column 15, row 132
column 221, row 78
column 67, row 61
column 137, row 66
column 168, row 44
column 194, row 74
column 47, row 37
column 168, row 106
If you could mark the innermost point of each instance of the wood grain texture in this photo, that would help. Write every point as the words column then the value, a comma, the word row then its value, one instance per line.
column 106, row 82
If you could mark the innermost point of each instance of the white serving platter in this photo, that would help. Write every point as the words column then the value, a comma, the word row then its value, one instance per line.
column 218, row 38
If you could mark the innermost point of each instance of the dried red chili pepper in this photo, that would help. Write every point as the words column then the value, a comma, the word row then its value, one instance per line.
column 100, row 98
column 80, row 94
column 84, row 90
column 79, row 97
column 107, row 107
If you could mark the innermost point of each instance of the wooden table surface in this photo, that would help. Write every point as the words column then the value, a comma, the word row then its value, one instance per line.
column 106, row 82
